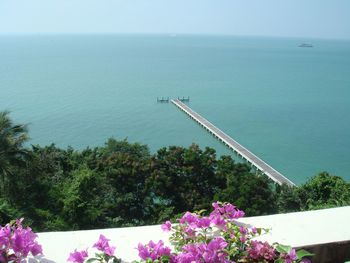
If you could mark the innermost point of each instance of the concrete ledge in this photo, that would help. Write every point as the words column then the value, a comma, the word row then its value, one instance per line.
column 58, row 245
column 325, row 232
column 305, row 228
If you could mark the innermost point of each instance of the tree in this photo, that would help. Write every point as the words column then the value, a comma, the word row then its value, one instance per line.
column 125, row 167
column 252, row 193
column 288, row 199
column 12, row 152
column 321, row 191
column 324, row 190
column 84, row 200
column 40, row 184
column 135, row 150
column 183, row 179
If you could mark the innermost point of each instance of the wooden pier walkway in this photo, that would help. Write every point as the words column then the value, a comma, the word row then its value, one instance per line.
column 234, row 145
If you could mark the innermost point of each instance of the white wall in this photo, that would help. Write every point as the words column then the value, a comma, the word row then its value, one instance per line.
column 296, row 229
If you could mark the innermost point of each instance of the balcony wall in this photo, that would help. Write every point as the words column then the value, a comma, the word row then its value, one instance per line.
column 325, row 232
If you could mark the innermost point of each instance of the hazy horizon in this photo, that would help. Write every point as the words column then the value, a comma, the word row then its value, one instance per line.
column 165, row 34
column 271, row 18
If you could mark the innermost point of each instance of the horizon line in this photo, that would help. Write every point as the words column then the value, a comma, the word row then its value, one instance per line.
column 170, row 34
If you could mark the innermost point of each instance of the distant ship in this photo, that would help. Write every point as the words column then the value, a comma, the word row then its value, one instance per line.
column 305, row 45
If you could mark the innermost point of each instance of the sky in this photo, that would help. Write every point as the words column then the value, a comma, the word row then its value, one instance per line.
column 279, row 18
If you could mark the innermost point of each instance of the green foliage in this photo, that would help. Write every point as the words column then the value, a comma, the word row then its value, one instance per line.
column 302, row 253
column 8, row 212
column 83, row 199
column 183, row 178
column 251, row 193
column 324, row 190
column 122, row 184
column 288, row 199
column 135, row 150
column 125, row 174
column 321, row 191
column 12, row 153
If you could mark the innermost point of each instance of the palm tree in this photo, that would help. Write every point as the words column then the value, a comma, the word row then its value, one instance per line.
column 12, row 152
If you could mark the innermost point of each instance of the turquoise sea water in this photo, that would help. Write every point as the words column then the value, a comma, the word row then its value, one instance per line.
column 288, row 105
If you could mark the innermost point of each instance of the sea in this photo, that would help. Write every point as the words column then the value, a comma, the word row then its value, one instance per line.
column 287, row 104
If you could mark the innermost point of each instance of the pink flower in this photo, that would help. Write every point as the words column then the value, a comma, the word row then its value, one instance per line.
column 290, row 257
column 227, row 210
column 36, row 249
column 78, row 256
column 213, row 252
column 185, row 258
column 103, row 245
column 189, row 218
column 243, row 230
column 261, row 251
column 166, row 227
column 153, row 251
column 204, row 222
column 5, row 234
column 217, row 220
column 254, row 231
column 189, row 231
column 143, row 251
column 23, row 241
column 292, row 254
column 17, row 242
column 243, row 239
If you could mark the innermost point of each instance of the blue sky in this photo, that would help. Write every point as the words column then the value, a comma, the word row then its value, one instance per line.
column 285, row 18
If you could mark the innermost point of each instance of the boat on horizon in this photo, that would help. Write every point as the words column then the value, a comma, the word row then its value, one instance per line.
column 305, row 45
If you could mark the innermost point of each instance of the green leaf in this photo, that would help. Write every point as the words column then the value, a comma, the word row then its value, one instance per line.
column 12, row 222
column 200, row 212
column 90, row 260
column 259, row 230
column 303, row 253
column 283, row 249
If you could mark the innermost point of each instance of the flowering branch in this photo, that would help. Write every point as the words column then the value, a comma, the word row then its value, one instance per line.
column 216, row 238
column 105, row 256
column 17, row 242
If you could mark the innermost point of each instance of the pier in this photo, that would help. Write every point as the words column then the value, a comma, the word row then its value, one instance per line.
column 162, row 100
column 183, row 99
column 247, row 155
